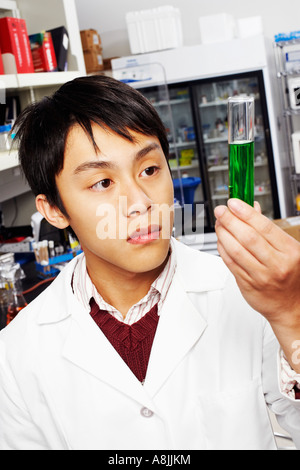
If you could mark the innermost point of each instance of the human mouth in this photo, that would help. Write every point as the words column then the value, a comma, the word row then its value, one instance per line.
column 143, row 236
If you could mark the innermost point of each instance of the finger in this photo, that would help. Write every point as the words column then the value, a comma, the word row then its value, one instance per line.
column 265, row 227
column 238, row 259
column 219, row 211
column 248, row 237
column 241, row 276
column 257, row 207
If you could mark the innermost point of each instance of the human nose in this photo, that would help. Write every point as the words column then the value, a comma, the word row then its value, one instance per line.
column 138, row 202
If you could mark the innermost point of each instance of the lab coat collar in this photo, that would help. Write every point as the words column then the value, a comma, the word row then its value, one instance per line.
column 196, row 271
column 199, row 271
column 180, row 321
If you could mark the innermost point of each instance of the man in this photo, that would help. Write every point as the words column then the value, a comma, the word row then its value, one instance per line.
column 141, row 342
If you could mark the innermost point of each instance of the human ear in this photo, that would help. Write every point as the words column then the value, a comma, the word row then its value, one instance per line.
column 51, row 213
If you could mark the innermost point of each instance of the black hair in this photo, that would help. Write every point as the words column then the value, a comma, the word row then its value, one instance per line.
column 42, row 128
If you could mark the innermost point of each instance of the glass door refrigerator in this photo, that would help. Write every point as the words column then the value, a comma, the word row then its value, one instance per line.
column 211, row 97
column 195, row 116
column 178, row 116
column 199, row 135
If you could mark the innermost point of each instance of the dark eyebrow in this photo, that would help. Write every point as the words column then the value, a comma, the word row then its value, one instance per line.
column 101, row 164
column 94, row 165
column 143, row 152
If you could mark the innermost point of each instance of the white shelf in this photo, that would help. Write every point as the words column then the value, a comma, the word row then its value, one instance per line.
column 35, row 80
column 225, row 167
column 216, row 197
column 186, row 144
column 213, row 103
column 8, row 82
column 39, row 15
column 185, row 167
column 171, row 102
column 9, row 160
column 215, row 140
column 8, row 5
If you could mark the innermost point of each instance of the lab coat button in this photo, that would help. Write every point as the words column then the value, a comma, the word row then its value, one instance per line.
column 146, row 413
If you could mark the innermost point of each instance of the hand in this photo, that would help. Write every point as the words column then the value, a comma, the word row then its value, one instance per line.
column 266, row 264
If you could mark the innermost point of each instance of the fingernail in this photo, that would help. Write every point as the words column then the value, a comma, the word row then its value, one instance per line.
column 236, row 205
column 219, row 211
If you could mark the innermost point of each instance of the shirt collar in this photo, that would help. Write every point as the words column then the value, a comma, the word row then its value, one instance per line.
column 84, row 289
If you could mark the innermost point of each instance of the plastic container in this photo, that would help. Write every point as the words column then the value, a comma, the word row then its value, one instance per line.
column 5, row 138
column 217, row 28
column 154, row 29
column 296, row 148
column 189, row 187
column 298, row 202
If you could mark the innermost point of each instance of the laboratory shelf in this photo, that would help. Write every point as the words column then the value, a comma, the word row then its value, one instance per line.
column 9, row 160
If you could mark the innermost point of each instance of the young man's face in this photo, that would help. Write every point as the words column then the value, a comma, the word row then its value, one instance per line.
column 120, row 200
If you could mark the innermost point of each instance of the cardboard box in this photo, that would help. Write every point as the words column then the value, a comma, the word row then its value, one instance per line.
column 291, row 226
column 43, row 54
column 90, row 39
column 107, row 63
column 60, row 38
column 93, row 60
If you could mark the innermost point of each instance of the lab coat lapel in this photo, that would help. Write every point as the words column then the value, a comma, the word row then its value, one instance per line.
column 180, row 327
column 88, row 348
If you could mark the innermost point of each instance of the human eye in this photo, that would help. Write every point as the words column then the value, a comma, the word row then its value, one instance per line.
column 102, row 185
column 150, row 171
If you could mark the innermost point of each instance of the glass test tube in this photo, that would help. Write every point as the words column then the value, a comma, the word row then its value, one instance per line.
column 241, row 119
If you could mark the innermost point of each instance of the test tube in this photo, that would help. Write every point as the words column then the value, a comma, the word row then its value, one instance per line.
column 241, row 119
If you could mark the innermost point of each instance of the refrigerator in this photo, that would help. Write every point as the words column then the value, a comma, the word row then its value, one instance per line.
column 189, row 88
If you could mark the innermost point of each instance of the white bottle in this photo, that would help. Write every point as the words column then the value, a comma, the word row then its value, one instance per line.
column 149, row 33
column 134, row 32
column 5, row 138
column 170, row 27
column 296, row 148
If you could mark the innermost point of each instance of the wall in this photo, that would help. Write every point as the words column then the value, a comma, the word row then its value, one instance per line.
column 109, row 17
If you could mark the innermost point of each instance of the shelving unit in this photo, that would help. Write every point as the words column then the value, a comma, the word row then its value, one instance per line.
column 39, row 16
column 291, row 117
column 8, row 160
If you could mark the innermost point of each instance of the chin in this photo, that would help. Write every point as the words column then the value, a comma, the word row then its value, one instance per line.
column 144, row 260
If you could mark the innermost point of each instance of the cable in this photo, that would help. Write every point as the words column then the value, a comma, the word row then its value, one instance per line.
column 38, row 285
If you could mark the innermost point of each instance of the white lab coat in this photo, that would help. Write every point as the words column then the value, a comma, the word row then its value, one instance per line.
column 213, row 368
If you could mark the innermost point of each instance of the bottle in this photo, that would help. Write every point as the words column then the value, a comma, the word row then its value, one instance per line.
column 241, row 148
column 16, row 302
column 298, row 202
column 11, row 277
column 5, row 139
column 3, row 307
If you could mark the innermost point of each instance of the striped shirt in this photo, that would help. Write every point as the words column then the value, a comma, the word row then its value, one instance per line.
column 85, row 290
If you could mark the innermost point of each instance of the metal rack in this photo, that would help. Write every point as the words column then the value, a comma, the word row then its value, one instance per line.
column 291, row 117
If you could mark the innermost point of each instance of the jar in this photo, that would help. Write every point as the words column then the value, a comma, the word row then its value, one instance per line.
column 5, row 138
column 298, row 202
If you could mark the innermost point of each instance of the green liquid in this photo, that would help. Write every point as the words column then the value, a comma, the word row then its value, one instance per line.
column 241, row 171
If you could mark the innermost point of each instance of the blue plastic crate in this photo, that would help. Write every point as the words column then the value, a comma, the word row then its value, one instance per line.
column 189, row 186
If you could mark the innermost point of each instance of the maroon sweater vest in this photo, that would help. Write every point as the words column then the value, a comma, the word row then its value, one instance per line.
column 132, row 342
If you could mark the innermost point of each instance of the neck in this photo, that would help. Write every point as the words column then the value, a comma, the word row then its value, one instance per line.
column 121, row 289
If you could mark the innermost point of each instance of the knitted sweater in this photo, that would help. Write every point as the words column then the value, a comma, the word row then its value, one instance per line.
column 133, row 343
